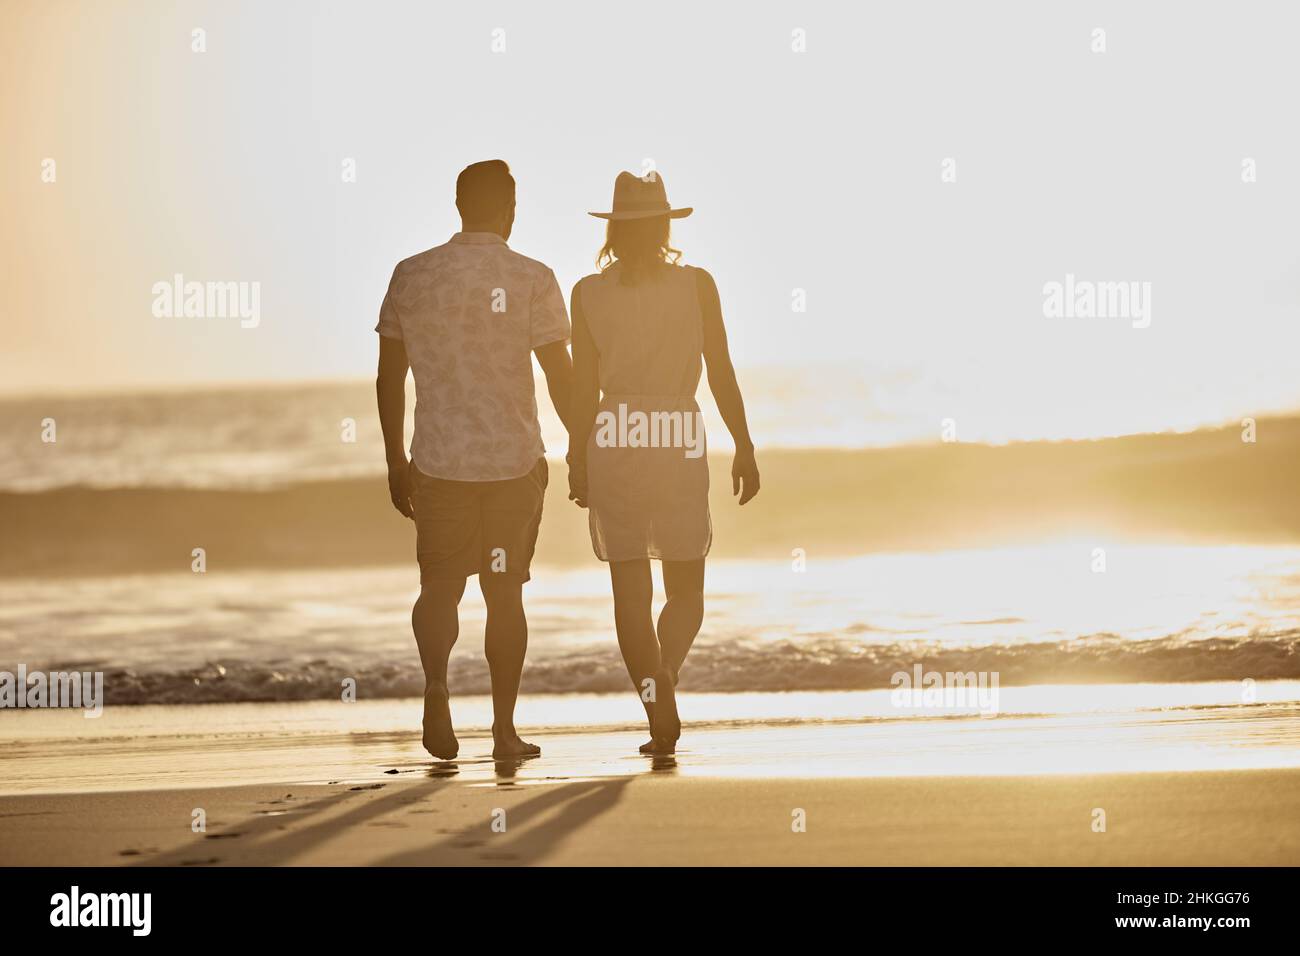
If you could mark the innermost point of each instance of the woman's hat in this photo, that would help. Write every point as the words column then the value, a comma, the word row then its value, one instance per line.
column 640, row 197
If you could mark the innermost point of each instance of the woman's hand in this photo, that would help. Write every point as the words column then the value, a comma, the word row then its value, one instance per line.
column 744, row 474
column 578, row 481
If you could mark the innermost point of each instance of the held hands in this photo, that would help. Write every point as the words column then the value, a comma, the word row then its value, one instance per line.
column 399, row 487
column 578, row 481
column 744, row 474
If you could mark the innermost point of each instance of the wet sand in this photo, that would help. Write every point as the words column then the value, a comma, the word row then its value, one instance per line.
column 1247, row 818
column 277, row 784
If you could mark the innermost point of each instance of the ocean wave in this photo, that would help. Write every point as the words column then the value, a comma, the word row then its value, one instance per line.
column 736, row 667
column 101, row 507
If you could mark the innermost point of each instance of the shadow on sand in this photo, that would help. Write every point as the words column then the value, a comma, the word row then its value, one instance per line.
column 275, row 840
column 534, row 827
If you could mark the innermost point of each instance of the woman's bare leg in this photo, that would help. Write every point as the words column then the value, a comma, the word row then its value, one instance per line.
column 682, row 615
column 633, row 595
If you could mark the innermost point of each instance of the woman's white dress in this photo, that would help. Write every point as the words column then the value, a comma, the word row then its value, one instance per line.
column 647, row 462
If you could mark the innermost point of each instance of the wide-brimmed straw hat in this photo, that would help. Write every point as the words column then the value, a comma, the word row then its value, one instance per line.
column 640, row 197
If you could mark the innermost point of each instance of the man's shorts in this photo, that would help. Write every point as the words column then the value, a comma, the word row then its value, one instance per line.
column 477, row 527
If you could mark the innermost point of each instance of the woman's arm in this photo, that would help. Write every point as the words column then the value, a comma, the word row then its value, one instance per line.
column 726, row 390
column 586, row 399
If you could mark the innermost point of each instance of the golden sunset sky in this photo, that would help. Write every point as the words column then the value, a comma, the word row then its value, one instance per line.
column 817, row 171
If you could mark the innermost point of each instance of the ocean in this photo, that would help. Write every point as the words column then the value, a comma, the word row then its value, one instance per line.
column 1033, row 616
column 1054, row 564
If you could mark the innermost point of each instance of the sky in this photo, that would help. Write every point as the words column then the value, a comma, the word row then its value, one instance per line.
column 821, row 170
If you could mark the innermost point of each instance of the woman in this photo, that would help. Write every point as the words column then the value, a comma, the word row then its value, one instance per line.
column 642, row 327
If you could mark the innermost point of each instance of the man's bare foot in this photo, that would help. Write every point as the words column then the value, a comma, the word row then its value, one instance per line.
column 511, row 745
column 655, row 747
column 439, row 739
column 665, row 725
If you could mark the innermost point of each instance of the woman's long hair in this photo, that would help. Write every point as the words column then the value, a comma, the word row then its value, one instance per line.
column 639, row 245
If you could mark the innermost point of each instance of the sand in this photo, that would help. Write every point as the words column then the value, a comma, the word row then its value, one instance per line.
column 318, row 783
column 1247, row 818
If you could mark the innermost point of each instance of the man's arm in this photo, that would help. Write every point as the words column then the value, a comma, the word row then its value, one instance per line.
column 554, row 360
column 549, row 331
column 726, row 390
column 390, row 390
column 586, row 400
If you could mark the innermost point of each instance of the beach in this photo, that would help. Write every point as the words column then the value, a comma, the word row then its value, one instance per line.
column 1212, row 783
column 903, row 404
column 1129, row 609
column 1246, row 818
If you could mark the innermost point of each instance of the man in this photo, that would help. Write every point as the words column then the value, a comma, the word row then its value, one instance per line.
column 466, row 318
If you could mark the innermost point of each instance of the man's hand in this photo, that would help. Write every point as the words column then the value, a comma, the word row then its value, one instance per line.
column 390, row 390
column 744, row 474
column 399, row 488
column 578, row 482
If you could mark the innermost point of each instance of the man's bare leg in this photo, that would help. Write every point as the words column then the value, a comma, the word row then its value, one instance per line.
column 437, row 625
column 506, row 643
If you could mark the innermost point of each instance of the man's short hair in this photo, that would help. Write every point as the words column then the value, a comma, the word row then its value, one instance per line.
column 484, row 190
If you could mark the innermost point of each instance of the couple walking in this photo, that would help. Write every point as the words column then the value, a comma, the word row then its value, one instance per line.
column 465, row 318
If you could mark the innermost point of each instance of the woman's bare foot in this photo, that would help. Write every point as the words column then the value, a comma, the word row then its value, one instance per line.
column 439, row 739
column 665, row 725
column 655, row 747
column 509, row 744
